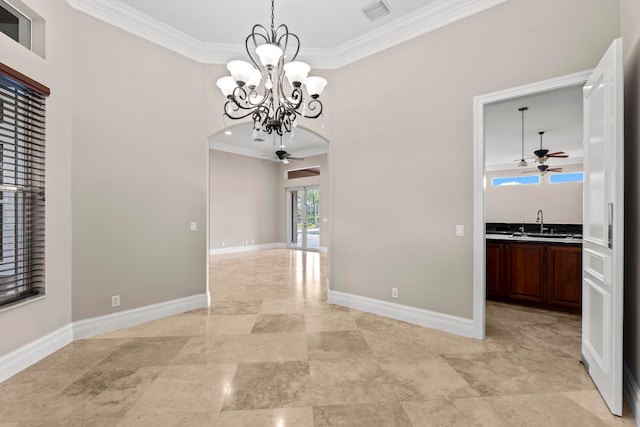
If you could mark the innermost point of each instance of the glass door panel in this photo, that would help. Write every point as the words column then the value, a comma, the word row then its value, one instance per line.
column 312, row 223
column 297, row 226
column 303, row 218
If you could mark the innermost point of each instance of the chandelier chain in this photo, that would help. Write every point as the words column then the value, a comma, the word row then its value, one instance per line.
column 273, row 16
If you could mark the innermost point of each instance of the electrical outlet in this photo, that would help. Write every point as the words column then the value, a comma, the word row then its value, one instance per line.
column 193, row 226
column 115, row 301
column 222, row 244
column 394, row 292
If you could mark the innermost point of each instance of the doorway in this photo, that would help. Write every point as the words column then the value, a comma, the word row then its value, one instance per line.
column 480, row 184
column 603, row 217
column 303, row 218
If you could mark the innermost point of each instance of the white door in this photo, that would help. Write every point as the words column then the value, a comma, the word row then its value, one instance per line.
column 602, row 293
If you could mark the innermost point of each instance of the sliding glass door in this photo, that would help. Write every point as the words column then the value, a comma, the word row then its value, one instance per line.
column 303, row 217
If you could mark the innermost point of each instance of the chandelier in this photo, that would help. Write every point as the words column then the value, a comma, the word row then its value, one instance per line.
column 273, row 105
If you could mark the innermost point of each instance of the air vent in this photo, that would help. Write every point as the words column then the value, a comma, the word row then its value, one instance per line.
column 376, row 10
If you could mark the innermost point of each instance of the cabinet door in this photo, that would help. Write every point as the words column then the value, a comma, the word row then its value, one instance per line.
column 525, row 268
column 564, row 276
column 495, row 270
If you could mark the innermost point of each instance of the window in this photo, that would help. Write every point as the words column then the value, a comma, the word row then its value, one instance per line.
column 15, row 24
column 22, row 201
column 559, row 178
column 516, row 180
column 303, row 173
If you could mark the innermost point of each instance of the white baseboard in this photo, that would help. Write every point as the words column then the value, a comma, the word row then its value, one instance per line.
column 430, row 319
column 632, row 392
column 124, row 319
column 22, row 358
column 246, row 248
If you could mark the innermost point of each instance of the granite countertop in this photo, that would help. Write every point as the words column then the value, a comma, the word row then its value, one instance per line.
column 574, row 239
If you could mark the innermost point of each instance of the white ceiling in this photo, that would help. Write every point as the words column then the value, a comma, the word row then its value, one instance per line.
column 558, row 113
column 319, row 24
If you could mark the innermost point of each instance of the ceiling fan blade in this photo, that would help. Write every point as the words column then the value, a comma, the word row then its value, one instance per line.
column 555, row 153
column 531, row 171
column 554, row 170
column 295, row 158
column 563, row 156
column 525, row 158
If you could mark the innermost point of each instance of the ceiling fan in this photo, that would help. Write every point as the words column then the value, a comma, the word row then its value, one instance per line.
column 542, row 168
column 284, row 157
column 542, row 155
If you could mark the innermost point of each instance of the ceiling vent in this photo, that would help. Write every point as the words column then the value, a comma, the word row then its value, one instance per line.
column 376, row 10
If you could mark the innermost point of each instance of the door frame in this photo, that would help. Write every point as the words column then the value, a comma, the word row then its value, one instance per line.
column 479, row 249
column 289, row 214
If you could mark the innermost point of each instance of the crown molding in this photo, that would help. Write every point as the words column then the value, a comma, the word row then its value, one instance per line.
column 131, row 20
column 431, row 17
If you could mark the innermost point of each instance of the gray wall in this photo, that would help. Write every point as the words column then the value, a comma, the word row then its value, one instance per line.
column 243, row 200
column 408, row 160
column 139, row 171
column 25, row 324
column 630, row 28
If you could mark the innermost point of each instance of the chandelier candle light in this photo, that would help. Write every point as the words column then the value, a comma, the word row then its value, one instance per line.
column 272, row 54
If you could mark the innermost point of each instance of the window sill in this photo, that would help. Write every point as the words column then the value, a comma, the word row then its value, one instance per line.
column 21, row 303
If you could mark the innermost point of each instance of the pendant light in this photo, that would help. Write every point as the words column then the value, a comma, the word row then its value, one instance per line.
column 523, row 162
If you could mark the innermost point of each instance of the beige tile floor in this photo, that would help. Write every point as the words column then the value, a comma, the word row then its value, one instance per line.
column 271, row 352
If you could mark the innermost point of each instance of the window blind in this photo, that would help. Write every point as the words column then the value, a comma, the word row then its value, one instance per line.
column 22, row 185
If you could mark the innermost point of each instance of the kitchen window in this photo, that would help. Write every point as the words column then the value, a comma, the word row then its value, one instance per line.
column 516, row 180
column 559, row 178
column 22, row 186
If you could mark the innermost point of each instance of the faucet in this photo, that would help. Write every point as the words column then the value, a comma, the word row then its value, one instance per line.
column 540, row 219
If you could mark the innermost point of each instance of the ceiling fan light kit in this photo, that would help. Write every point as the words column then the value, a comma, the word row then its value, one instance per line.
column 542, row 155
column 272, row 106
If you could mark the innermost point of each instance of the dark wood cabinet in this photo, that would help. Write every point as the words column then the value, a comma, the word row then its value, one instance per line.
column 564, row 276
column 537, row 273
column 495, row 269
column 525, row 272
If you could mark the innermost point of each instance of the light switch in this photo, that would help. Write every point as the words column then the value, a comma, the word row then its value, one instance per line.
column 325, row 220
column 459, row 230
column 194, row 226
